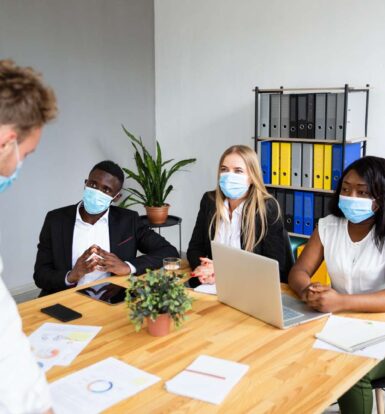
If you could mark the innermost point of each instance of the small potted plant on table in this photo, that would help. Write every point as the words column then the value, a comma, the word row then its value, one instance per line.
column 158, row 297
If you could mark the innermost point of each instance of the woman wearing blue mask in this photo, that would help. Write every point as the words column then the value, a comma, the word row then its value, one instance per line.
column 351, row 241
column 239, row 213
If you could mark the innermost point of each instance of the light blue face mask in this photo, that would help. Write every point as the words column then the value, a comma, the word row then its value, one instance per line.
column 6, row 182
column 356, row 209
column 95, row 201
column 233, row 185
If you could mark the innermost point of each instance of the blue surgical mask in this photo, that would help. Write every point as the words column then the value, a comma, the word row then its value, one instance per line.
column 233, row 185
column 95, row 201
column 356, row 209
column 6, row 182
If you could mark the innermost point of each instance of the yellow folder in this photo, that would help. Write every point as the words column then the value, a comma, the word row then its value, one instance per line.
column 285, row 164
column 327, row 167
column 275, row 163
column 321, row 275
column 318, row 162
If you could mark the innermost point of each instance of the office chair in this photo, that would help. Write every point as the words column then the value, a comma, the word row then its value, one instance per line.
column 379, row 385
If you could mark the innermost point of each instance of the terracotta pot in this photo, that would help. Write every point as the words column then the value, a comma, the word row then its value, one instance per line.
column 161, row 325
column 157, row 215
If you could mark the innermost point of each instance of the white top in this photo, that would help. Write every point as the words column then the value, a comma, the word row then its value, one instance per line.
column 229, row 232
column 354, row 267
column 85, row 235
column 23, row 388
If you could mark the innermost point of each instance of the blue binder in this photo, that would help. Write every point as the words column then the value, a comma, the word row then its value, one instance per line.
column 266, row 161
column 308, row 213
column 298, row 212
column 352, row 153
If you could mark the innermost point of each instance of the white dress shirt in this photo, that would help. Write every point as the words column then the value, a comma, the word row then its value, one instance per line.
column 23, row 387
column 229, row 232
column 85, row 235
column 354, row 267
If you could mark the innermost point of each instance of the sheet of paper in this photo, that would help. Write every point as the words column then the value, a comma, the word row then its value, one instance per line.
column 334, row 323
column 59, row 344
column 98, row 387
column 208, row 378
column 209, row 289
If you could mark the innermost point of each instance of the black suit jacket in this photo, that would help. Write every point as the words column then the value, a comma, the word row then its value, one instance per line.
column 275, row 245
column 127, row 236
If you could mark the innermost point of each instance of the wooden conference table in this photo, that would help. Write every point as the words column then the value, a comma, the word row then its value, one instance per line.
column 286, row 374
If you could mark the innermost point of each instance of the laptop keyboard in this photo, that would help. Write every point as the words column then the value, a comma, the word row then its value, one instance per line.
column 289, row 313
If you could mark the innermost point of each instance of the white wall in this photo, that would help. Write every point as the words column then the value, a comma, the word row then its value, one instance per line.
column 209, row 54
column 99, row 57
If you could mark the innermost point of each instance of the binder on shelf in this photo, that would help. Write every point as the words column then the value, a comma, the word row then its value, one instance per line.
column 308, row 213
column 318, row 207
column 293, row 117
column 296, row 164
column 289, row 210
column 310, row 113
column 356, row 115
column 275, row 112
column 331, row 103
column 318, row 165
column 320, row 115
column 264, row 117
column 272, row 192
column 275, row 163
column 285, row 164
column 285, row 116
column 326, row 207
column 302, row 116
column 327, row 167
column 352, row 153
column 307, row 165
column 281, row 200
column 340, row 116
column 298, row 212
column 266, row 161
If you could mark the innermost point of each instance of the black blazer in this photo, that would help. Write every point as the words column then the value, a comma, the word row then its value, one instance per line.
column 127, row 236
column 275, row 245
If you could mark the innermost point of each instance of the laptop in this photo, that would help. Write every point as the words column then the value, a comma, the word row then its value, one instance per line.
column 250, row 283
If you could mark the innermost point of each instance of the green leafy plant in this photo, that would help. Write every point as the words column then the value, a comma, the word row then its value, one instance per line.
column 156, row 293
column 152, row 175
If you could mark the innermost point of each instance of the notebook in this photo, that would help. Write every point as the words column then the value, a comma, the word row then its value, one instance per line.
column 351, row 334
column 208, row 379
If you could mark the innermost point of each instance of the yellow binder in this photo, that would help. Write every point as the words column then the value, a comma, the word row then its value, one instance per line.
column 275, row 163
column 327, row 167
column 285, row 164
column 321, row 275
column 318, row 162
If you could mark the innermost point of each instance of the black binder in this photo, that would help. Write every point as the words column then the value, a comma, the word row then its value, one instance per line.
column 327, row 200
column 318, row 207
column 293, row 133
column 289, row 210
column 302, row 116
column 272, row 191
column 281, row 200
column 311, row 115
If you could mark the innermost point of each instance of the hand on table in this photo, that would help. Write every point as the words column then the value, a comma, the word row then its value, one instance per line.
column 111, row 263
column 323, row 298
column 86, row 263
column 205, row 271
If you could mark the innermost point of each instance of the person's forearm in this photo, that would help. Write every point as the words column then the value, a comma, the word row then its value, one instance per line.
column 298, row 281
column 369, row 302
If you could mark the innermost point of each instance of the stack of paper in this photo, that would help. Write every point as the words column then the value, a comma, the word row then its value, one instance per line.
column 206, row 288
column 58, row 344
column 207, row 378
column 97, row 387
column 353, row 335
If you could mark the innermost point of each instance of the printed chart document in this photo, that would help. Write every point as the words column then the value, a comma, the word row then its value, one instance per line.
column 207, row 378
column 99, row 386
column 351, row 335
column 59, row 344
column 206, row 288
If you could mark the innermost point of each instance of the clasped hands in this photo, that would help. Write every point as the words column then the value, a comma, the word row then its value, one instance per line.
column 96, row 258
column 322, row 298
column 205, row 271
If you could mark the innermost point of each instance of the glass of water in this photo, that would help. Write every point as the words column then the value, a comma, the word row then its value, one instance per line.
column 171, row 264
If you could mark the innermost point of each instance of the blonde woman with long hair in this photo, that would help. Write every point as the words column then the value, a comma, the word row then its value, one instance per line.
column 239, row 213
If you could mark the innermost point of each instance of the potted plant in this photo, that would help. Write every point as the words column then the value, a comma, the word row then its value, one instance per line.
column 153, row 175
column 158, row 297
